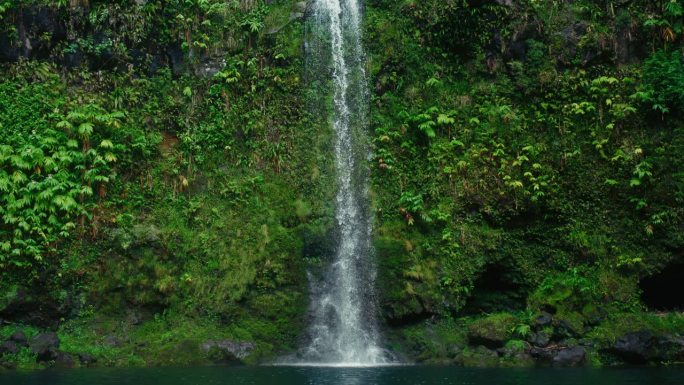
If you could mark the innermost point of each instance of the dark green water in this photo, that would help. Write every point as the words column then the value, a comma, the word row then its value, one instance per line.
column 416, row 375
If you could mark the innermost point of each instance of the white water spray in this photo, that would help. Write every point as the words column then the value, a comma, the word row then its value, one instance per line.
column 343, row 328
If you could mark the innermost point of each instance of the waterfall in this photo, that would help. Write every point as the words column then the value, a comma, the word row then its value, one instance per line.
column 343, row 327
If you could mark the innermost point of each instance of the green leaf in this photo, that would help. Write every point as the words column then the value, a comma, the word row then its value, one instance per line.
column 85, row 129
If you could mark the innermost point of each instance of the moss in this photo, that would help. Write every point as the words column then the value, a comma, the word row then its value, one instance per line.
column 479, row 357
column 493, row 330
column 429, row 342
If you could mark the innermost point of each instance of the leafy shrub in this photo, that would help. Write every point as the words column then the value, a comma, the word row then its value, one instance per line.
column 664, row 81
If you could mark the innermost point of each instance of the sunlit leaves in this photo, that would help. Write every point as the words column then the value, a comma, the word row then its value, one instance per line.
column 85, row 130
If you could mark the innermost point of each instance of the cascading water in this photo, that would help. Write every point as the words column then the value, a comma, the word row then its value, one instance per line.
column 343, row 328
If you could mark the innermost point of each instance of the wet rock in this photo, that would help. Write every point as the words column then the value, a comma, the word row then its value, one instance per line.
column 539, row 339
column 644, row 346
column 226, row 350
column 574, row 356
column 565, row 328
column 542, row 355
column 44, row 346
column 637, row 347
column 523, row 359
column 543, row 319
column 453, row 350
column 86, row 359
column 64, row 360
column 9, row 347
column 480, row 357
column 671, row 348
column 19, row 338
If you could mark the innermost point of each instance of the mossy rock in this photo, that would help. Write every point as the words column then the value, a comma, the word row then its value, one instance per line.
column 492, row 331
column 479, row 357
column 433, row 343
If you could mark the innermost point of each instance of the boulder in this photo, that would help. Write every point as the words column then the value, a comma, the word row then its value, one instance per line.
column 44, row 346
column 87, row 359
column 480, row 357
column 542, row 355
column 492, row 331
column 637, row 347
column 19, row 338
column 9, row 347
column 543, row 319
column 539, row 339
column 565, row 328
column 64, row 360
column 226, row 350
column 644, row 346
column 574, row 356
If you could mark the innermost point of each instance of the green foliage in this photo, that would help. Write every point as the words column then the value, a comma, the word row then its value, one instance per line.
column 664, row 82
column 435, row 19
column 52, row 176
column 572, row 291
column 541, row 161
column 508, row 142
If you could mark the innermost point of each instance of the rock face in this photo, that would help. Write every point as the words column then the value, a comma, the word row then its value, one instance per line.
column 31, row 23
column 30, row 307
column 644, row 346
column 227, row 351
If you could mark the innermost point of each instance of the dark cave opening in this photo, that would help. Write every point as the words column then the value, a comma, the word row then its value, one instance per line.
column 496, row 289
column 662, row 291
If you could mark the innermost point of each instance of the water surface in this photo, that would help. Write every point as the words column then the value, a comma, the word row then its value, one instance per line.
column 408, row 375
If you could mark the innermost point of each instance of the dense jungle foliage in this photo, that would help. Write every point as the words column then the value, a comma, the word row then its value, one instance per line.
column 164, row 181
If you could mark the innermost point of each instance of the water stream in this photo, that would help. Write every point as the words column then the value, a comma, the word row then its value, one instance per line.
column 343, row 328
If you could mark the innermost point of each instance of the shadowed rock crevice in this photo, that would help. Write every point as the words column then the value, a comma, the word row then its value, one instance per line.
column 495, row 290
column 663, row 291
